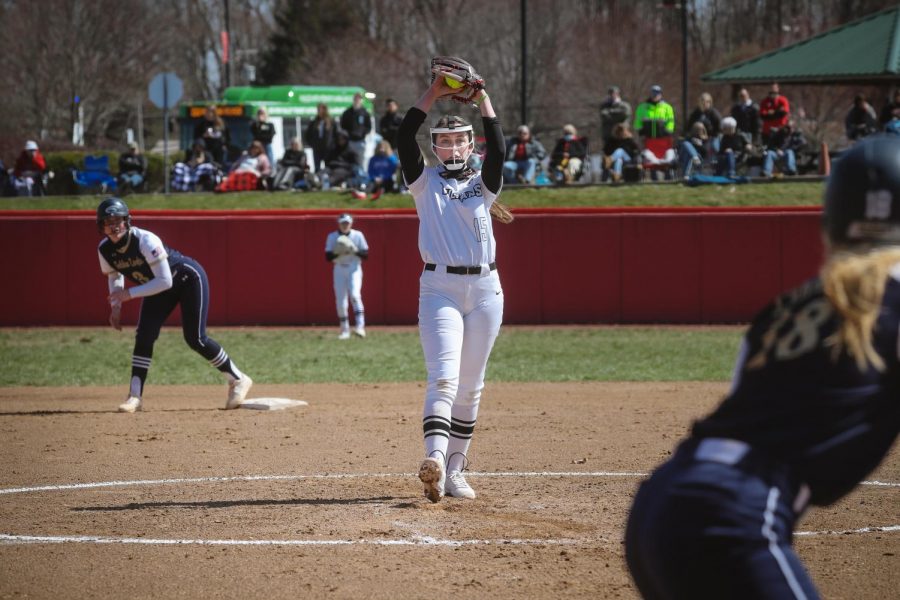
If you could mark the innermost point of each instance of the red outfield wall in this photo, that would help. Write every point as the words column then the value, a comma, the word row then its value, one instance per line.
column 556, row 266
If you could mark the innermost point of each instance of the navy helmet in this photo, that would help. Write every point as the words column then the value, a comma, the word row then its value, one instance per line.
column 862, row 196
column 112, row 207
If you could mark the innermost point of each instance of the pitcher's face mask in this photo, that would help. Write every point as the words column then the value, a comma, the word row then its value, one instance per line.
column 453, row 146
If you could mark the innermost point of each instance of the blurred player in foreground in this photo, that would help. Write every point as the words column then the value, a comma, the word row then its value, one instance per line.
column 164, row 279
column 460, row 298
column 814, row 407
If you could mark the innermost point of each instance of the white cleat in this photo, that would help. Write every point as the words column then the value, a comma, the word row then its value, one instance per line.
column 237, row 391
column 359, row 332
column 458, row 487
column 133, row 404
column 345, row 335
column 431, row 472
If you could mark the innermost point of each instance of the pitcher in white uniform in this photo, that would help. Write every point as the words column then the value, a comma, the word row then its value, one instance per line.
column 347, row 248
column 460, row 298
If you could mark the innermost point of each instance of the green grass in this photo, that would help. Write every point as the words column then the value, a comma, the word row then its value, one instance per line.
column 796, row 193
column 95, row 356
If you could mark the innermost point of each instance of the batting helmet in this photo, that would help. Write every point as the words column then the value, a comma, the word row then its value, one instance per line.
column 112, row 207
column 862, row 197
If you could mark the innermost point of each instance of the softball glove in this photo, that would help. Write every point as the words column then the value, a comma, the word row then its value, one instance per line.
column 460, row 71
column 344, row 246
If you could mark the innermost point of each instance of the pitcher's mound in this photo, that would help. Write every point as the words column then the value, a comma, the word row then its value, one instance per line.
column 272, row 403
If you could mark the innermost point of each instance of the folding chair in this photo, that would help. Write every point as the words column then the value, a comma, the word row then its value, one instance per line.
column 95, row 174
column 659, row 147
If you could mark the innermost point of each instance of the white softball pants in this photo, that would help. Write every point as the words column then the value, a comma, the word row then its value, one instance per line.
column 459, row 319
column 348, row 283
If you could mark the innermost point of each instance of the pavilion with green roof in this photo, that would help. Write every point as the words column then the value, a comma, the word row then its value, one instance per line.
column 863, row 52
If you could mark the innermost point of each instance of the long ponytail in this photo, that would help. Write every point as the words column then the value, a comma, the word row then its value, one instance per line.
column 854, row 282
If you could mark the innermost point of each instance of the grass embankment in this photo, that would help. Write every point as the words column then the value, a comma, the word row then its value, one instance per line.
column 796, row 193
column 102, row 356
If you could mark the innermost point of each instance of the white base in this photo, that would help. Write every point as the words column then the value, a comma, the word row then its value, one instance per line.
column 271, row 403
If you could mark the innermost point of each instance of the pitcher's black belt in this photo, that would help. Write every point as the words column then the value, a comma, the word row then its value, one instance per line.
column 461, row 270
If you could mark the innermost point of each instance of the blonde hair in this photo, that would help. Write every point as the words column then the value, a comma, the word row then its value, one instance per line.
column 854, row 282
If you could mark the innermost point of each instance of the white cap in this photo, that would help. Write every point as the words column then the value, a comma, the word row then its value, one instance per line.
column 345, row 218
column 31, row 145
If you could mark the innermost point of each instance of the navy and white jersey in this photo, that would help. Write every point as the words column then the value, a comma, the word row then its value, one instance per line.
column 454, row 220
column 358, row 239
column 133, row 255
column 799, row 402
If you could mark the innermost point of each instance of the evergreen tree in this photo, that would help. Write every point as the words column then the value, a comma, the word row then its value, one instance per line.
column 301, row 27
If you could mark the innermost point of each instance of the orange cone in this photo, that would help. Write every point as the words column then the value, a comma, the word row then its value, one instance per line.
column 824, row 160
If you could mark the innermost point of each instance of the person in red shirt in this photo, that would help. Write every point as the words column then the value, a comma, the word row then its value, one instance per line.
column 29, row 171
column 774, row 111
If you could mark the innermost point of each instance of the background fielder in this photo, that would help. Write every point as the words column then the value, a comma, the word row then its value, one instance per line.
column 347, row 248
column 460, row 298
column 163, row 278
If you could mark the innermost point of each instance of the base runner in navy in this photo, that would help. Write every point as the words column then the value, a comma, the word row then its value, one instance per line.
column 164, row 278
column 814, row 407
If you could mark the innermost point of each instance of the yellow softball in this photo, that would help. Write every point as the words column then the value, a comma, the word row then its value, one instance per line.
column 453, row 83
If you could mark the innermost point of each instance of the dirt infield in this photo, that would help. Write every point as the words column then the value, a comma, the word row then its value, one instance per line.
column 321, row 501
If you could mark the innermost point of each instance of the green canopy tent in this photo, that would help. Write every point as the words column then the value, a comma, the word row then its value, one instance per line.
column 290, row 108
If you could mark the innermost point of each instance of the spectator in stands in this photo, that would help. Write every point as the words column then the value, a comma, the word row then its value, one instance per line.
column 568, row 156
column 733, row 148
column 342, row 162
column 293, row 168
column 523, row 153
column 783, row 147
column 694, row 150
column 249, row 172
column 264, row 131
column 211, row 129
column 654, row 118
column 390, row 122
column 320, row 135
column 132, row 168
column 891, row 110
column 199, row 169
column 860, row 120
column 620, row 150
column 613, row 111
column 745, row 112
column 30, row 170
column 774, row 112
column 357, row 122
column 705, row 113
column 7, row 188
column 382, row 169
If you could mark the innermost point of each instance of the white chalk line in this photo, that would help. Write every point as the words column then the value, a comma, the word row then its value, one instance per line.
column 417, row 540
column 127, row 483
column 885, row 529
column 175, row 481
column 9, row 539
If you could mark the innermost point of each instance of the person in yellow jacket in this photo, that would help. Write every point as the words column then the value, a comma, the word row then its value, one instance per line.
column 654, row 118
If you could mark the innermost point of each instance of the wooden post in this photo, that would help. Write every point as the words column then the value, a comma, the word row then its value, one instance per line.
column 824, row 160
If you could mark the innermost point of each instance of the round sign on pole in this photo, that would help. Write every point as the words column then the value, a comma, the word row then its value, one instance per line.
column 165, row 90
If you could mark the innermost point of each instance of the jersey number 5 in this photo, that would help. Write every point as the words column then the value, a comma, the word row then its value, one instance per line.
column 801, row 337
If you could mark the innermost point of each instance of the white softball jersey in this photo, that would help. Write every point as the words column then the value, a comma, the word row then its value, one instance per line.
column 454, row 220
